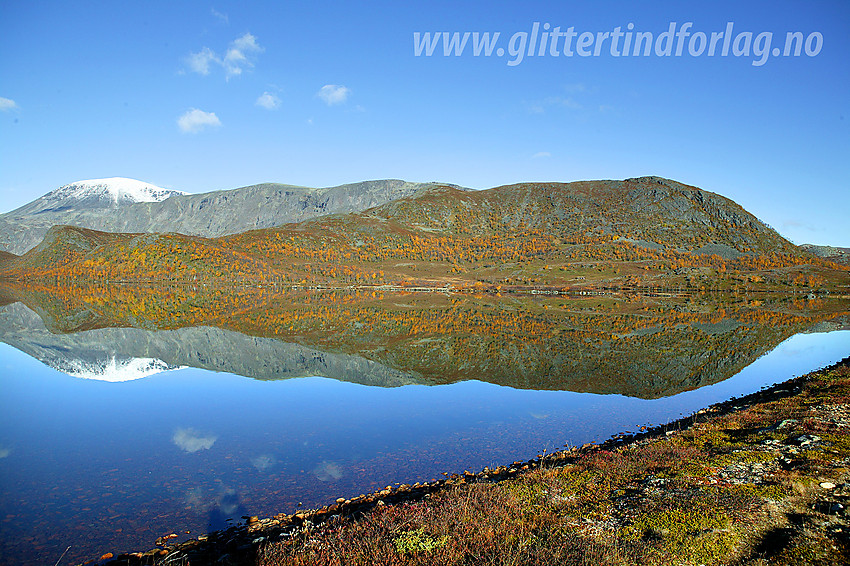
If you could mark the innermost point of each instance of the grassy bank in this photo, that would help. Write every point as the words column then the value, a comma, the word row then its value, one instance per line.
column 763, row 479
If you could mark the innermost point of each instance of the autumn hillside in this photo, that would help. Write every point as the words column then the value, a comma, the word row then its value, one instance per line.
column 68, row 251
column 637, row 232
column 651, row 210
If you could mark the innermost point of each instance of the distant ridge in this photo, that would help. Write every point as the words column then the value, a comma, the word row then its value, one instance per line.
column 126, row 205
column 836, row 254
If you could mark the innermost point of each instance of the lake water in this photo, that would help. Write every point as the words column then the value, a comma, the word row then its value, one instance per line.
column 110, row 466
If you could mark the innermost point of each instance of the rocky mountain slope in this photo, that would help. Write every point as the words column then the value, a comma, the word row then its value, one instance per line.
column 650, row 210
column 836, row 254
column 125, row 205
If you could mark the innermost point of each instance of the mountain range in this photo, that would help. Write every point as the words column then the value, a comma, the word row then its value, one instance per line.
column 634, row 232
column 127, row 205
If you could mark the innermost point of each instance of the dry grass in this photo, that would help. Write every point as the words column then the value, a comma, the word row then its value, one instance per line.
column 478, row 524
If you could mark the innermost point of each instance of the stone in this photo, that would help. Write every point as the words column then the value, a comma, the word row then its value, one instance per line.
column 827, row 485
column 340, row 500
column 806, row 440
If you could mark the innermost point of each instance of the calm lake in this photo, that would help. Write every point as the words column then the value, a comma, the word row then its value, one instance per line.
column 114, row 431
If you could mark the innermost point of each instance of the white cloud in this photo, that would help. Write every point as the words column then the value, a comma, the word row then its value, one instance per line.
column 541, row 154
column 7, row 104
column 239, row 55
column 333, row 94
column 200, row 62
column 222, row 17
column 268, row 101
column 541, row 106
column 791, row 224
column 194, row 121
column 190, row 440
column 565, row 102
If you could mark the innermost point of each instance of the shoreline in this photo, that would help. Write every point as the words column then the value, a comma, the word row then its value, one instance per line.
column 242, row 544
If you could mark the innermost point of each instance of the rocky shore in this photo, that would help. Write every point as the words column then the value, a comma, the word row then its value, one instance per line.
column 756, row 479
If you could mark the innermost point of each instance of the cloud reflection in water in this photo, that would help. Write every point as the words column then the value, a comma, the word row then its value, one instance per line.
column 263, row 462
column 190, row 440
column 328, row 471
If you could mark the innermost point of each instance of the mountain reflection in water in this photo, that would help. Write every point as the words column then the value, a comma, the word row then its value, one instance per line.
column 630, row 345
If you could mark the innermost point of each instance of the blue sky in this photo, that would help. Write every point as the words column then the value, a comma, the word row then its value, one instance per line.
column 202, row 96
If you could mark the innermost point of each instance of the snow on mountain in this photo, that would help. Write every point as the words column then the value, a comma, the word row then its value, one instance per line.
column 114, row 369
column 98, row 204
column 115, row 189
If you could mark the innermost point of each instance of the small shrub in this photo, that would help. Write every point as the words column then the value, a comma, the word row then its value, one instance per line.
column 416, row 541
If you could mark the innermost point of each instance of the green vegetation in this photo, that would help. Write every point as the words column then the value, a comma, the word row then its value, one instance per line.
column 416, row 542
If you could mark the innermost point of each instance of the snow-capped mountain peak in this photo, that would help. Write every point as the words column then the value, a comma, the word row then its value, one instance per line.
column 114, row 189
column 115, row 369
